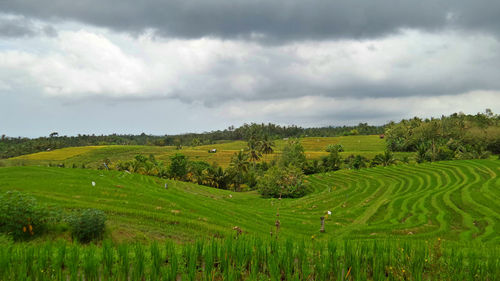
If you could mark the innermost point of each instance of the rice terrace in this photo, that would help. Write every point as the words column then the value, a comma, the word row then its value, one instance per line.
column 389, row 206
column 273, row 140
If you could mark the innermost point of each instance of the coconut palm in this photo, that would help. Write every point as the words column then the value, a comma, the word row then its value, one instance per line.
column 239, row 162
column 385, row 159
column 219, row 178
column 239, row 167
column 266, row 145
column 253, row 150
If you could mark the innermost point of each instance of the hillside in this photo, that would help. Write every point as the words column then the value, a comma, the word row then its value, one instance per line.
column 92, row 156
column 456, row 200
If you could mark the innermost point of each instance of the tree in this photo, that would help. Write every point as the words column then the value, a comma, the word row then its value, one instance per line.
column 239, row 161
column 218, row 177
column 282, row 182
column 385, row 159
column 195, row 142
column 253, row 150
column 178, row 166
column 198, row 169
column 293, row 154
column 239, row 166
column 266, row 145
column 178, row 143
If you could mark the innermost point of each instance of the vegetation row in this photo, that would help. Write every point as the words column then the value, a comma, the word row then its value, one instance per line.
column 250, row 258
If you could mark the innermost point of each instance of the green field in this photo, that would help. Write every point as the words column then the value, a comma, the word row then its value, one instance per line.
column 92, row 156
column 456, row 200
column 432, row 221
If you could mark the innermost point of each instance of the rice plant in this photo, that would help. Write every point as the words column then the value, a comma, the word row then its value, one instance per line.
column 252, row 258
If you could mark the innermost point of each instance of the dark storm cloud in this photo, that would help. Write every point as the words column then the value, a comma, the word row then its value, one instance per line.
column 275, row 20
column 19, row 26
column 16, row 27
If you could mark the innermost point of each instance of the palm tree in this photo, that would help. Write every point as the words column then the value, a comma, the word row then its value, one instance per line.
column 266, row 145
column 198, row 175
column 239, row 162
column 385, row 159
column 253, row 148
column 220, row 178
column 239, row 165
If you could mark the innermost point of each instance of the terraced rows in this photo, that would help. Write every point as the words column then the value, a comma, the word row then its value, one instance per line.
column 458, row 200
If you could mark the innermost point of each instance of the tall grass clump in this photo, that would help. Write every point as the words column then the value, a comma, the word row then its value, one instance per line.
column 108, row 259
column 87, row 225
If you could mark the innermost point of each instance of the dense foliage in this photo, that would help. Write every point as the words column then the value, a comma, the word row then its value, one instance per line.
column 282, row 182
column 87, row 225
column 293, row 154
column 178, row 167
column 21, row 216
column 244, row 172
column 456, row 136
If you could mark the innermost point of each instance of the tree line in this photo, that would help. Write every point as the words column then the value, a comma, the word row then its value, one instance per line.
column 280, row 178
column 15, row 146
column 457, row 136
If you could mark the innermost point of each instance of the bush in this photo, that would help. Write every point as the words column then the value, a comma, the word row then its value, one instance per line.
column 335, row 148
column 87, row 225
column 284, row 181
column 356, row 161
column 21, row 216
column 293, row 154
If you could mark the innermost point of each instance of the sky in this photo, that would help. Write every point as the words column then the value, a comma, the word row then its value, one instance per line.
column 178, row 66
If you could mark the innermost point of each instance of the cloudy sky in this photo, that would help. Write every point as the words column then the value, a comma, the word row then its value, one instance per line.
column 164, row 67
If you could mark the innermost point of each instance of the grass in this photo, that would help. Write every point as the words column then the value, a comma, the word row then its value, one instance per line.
column 92, row 156
column 58, row 154
column 455, row 200
column 250, row 258
column 432, row 221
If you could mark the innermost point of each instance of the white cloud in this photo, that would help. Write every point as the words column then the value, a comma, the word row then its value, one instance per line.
column 309, row 83
column 82, row 63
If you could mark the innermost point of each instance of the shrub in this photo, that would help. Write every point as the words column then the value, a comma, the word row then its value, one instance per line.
column 21, row 216
column 356, row 161
column 314, row 167
column 87, row 225
column 335, row 148
column 284, row 181
column 333, row 161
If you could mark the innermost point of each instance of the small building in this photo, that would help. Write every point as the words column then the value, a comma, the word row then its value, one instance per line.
column 382, row 136
column 213, row 150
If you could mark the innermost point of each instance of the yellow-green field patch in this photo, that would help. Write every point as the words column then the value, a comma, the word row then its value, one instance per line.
column 93, row 156
column 59, row 154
